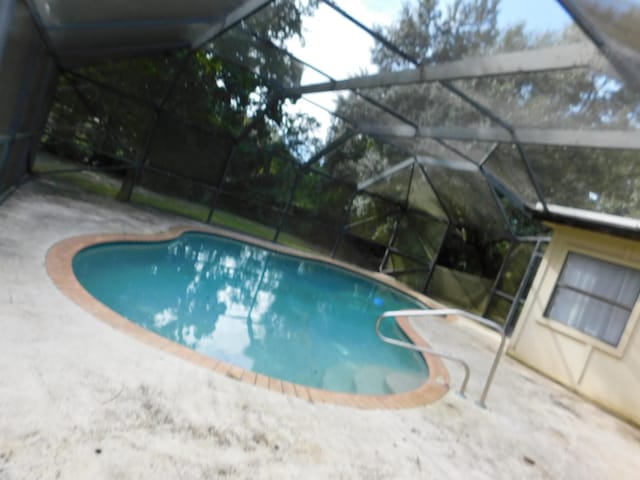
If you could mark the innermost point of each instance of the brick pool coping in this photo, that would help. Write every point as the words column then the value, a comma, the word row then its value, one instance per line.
column 59, row 267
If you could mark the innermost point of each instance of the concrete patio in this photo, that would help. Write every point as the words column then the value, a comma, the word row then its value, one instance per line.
column 79, row 399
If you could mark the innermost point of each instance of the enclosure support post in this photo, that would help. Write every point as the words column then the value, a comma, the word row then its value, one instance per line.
column 510, row 320
column 343, row 227
column 285, row 212
column 446, row 233
column 131, row 177
column 216, row 194
column 237, row 141
column 6, row 16
column 23, row 98
column 392, row 239
column 496, row 282
column 434, row 260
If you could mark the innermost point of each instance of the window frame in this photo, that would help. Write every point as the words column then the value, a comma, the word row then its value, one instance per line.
column 602, row 253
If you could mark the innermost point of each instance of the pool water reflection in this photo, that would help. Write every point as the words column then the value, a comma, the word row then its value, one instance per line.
column 295, row 319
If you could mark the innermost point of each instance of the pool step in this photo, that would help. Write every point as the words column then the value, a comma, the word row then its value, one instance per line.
column 339, row 377
column 398, row 382
column 369, row 379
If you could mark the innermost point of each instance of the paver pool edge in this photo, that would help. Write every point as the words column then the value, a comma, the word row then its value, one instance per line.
column 59, row 267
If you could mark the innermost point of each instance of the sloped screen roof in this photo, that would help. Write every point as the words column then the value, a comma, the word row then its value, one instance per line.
column 81, row 31
column 485, row 100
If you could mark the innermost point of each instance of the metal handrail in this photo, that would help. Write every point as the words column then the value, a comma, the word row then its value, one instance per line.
column 443, row 312
column 419, row 348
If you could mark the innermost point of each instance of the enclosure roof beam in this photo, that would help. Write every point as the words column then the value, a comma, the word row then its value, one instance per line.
column 559, row 213
column 330, row 147
column 243, row 11
column 387, row 173
column 137, row 23
column 528, row 61
column 499, row 185
column 616, row 139
column 624, row 60
column 76, row 57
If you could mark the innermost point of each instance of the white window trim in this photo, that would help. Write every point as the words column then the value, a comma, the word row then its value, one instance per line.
column 604, row 254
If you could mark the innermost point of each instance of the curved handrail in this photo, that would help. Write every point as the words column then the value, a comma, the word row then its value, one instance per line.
column 443, row 312
column 419, row 348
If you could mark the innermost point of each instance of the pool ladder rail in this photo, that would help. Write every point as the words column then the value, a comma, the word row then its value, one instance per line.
column 444, row 312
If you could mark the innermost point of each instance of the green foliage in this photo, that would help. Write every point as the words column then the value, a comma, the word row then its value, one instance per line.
column 217, row 117
column 212, row 111
column 466, row 250
column 321, row 198
column 592, row 179
column 85, row 120
column 521, row 223
column 262, row 175
column 361, row 158
column 371, row 218
column 429, row 34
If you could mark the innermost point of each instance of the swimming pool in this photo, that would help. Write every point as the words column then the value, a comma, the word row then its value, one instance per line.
column 59, row 265
column 299, row 320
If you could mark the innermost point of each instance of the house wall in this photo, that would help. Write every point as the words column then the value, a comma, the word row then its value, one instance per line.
column 606, row 374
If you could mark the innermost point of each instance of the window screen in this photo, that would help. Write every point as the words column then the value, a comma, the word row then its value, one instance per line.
column 594, row 297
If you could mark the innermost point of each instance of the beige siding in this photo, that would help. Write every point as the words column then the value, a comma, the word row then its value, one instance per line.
column 608, row 375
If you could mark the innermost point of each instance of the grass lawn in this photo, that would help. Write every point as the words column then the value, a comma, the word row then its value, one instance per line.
column 103, row 183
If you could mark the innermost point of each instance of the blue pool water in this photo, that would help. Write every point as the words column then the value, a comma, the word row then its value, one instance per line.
column 299, row 320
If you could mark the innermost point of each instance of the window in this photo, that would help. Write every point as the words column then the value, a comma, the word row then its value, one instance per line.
column 594, row 297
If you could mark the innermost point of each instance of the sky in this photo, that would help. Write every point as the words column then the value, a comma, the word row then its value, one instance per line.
column 341, row 49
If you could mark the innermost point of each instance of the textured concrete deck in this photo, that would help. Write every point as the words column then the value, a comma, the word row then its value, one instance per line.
column 79, row 399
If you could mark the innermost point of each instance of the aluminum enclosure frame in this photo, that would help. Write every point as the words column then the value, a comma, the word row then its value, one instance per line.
column 548, row 59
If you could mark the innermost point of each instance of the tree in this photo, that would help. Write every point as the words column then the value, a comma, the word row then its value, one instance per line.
column 203, row 100
column 477, row 242
column 582, row 98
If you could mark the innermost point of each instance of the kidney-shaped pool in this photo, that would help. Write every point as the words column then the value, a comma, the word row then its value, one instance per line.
column 286, row 317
